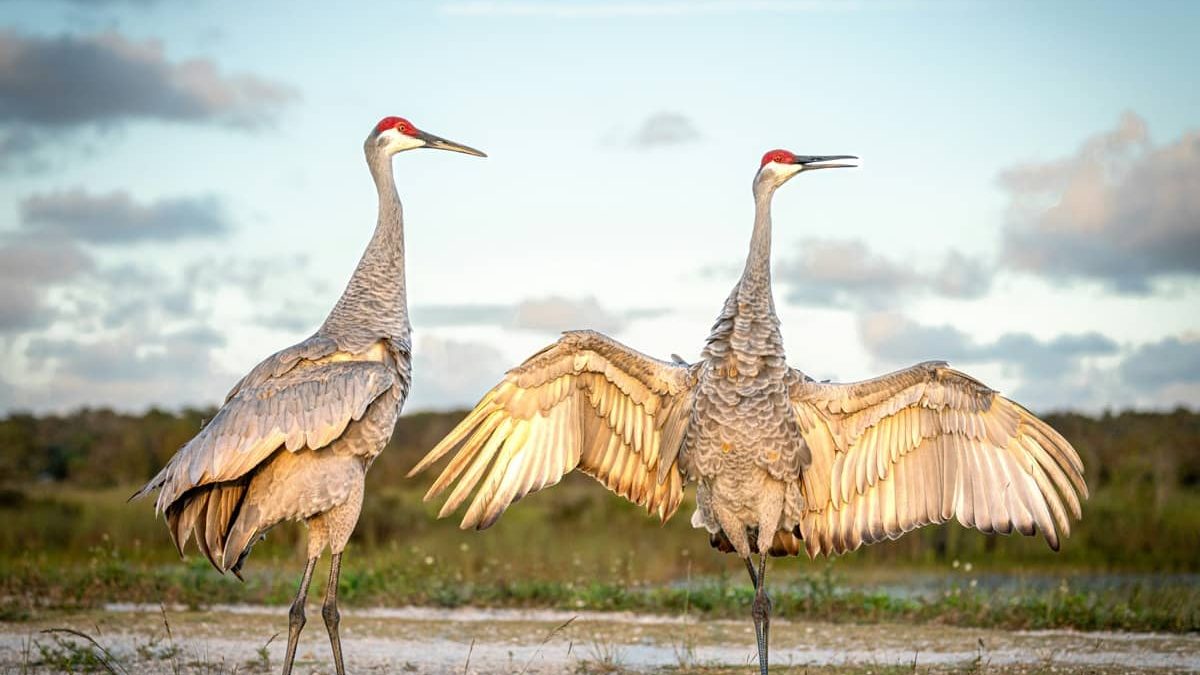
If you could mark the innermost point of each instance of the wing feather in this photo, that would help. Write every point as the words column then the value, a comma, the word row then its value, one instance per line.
column 925, row 445
column 304, row 407
column 585, row 402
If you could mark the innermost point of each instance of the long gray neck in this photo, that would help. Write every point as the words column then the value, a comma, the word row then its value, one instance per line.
column 374, row 304
column 748, row 328
column 756, row 277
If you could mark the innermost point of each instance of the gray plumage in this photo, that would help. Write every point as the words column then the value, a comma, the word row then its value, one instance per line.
column 295, row 437
column 782, row 463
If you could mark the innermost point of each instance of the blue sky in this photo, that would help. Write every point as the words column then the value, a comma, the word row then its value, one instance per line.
column 183, row 190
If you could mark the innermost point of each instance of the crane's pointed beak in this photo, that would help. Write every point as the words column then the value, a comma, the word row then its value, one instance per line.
column 812, row 162
column 439, row 143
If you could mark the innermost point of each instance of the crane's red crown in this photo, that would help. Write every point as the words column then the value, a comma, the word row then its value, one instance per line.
column 398, row 123
column 779, row 156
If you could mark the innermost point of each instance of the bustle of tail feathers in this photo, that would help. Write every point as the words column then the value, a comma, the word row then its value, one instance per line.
column 785, row 544
column 209, row 514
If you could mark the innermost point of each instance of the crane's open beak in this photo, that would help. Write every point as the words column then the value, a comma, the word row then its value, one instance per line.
column 439, row 143
column 811, row 162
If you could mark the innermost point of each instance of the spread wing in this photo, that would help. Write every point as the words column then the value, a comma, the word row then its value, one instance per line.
column 309, row 405
column 924, row 445
column 585, row 402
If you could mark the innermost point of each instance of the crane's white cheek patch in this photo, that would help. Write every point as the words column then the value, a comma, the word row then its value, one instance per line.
column 403, row 142
column 780, row 172
column 398, row 142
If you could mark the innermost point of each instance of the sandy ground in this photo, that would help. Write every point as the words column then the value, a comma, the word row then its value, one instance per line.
column 422, row 640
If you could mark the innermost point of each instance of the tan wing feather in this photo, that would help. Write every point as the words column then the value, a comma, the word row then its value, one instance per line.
column 306, row 407
column 921, row 446
column 585, row 402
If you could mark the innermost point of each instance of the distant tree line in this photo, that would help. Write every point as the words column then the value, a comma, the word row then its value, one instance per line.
column 102, row 448
column 1143, row 470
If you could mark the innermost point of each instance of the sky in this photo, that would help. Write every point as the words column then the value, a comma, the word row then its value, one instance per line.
column 183, row 189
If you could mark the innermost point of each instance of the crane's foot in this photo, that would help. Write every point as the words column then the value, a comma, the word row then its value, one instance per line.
column 296, row 616
column 329, row 612
column 760, row 610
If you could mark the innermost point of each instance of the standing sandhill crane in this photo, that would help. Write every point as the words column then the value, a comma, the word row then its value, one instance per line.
column 783, row 463
column 296, row 435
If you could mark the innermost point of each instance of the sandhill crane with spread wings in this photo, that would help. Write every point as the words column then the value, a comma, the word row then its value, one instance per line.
column 783, row 463
column 296, row 436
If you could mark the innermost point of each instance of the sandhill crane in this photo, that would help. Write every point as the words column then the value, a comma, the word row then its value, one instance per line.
column 296, row 435
column 783, row 463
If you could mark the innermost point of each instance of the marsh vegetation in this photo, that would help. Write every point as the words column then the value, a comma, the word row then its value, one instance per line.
column 71, row 542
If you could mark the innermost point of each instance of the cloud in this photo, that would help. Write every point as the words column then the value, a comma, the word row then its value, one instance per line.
column 1171, row 361
column 659, row 130
column 450, row 374
column 105, row 78
column 51, row 84
column 552, row 314
column 28, row 271
column 130, row 297
column 1086, row 371
column 38, row 261
column 1033, row 358
column 1121, row 211
column 897, row 339
column 961, row 276
column 115, row 218
column 593, row 9
column 127, row 370
column 462, row 315
column 130, row 335
column 16, row 150
column 846, row 272
column 129, row 357
column 664, row 129
column 555, row 314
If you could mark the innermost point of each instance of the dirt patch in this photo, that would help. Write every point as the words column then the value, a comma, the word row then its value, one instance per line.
column 424, row 640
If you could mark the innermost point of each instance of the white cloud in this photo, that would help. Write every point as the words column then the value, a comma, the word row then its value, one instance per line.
column 1087, row 371
column 115, row 218
column 449, row 374
column 1121, row 211
column 97, row 81
column 846, row 272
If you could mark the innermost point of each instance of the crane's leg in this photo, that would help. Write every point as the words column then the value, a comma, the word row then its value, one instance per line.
column 753, row 574
column 296, row 616
column 329, row 611
column 761, row 610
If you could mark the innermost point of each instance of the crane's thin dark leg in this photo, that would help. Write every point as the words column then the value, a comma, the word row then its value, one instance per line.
column 761, row 611
column 753, row 574
column 329, row 612
column 296, row 616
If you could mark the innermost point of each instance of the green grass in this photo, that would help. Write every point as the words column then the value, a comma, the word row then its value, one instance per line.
column 29, row 589
column 577, row 547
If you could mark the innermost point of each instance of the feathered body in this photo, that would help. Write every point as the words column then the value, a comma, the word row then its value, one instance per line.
column 295, row 437
column 743, row 444
column 782, row 463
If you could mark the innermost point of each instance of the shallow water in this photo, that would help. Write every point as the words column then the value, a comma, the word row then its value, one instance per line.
column 428, row 640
